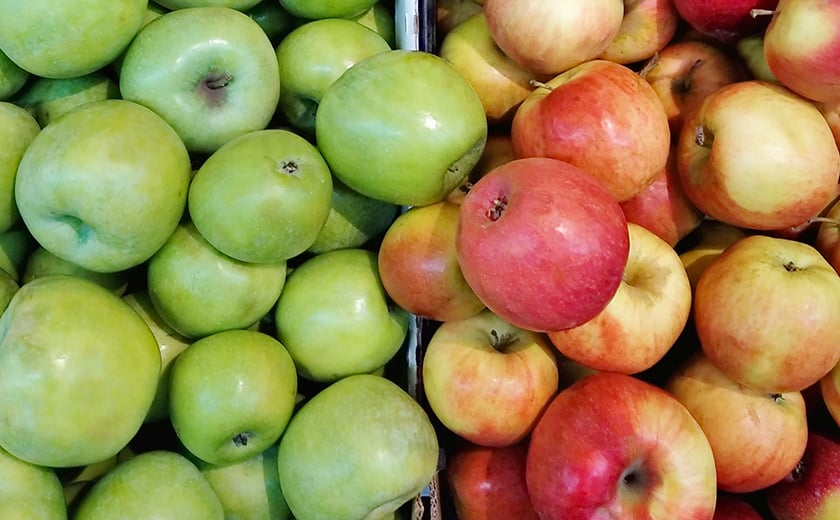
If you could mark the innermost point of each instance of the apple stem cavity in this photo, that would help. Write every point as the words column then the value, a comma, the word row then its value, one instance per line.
column 213, row 85
column 684, row 85
column 498, row 207
column 241, row 439
column 755, row 13
column 703, row 137
column 501, row 341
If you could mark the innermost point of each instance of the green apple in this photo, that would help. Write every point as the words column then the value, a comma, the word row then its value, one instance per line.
column 335, row 318
column 199, row 291
column 105, row 185
column 158, row 484
column 76, row 481
column 276, row 21
column 170, row 344
column 78, row 371
column 15, row 246
column 312, row 57
column 354, row 220
column 262, row 197
column 48, row 98
column 380, row 18
column 29, row 491
column 12, row 77
column 43, row 263
column 360, row 448
column 231, row 395
column 8, row 287
column 233, row 4
column 211, row 72
column 327, row 8
column 68, row 38
column 18, row 129
column 249, row 490
column 401, row 126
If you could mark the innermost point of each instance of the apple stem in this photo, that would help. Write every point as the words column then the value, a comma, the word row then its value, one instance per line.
column 685, row 84
column 702, row 137
column 651, row 63
column 217, row 81
column 500, row 341
column 825, row 220
column 539, row 84
column 755, row 13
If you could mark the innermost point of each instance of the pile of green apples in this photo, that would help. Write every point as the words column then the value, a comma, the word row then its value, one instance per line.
column 192, row 195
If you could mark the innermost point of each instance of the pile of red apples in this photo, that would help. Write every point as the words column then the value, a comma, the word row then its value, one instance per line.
column 634, row 301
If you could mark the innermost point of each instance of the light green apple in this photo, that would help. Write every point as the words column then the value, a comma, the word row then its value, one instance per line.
column 12, row 77
column 29, row 491
column 170, row 345
column 312, row 57
column 199, row 291
column 104, row 185
column 43, row 263
column 68, row 38
column 335, row 318
column 78, row 371
column 262, row 197
column 249, row 490
column 231, row 395
column 401, row 126
column 211, row 72
column 76, row 481
column 48, row 98
column 314, row 10
column 276, row 21
column 380, row 18
column 16, row 244
column 360, row 448
column 354, row 220
column 18, row 129
column 158, row 484
column 233, row 4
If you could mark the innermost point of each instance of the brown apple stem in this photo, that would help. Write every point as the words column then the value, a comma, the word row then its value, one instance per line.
column 651, row 63
column 826, row 220
column 216, row 81
column 500, row 341
column 755, row 13
column 702, row 137
column 539, row 84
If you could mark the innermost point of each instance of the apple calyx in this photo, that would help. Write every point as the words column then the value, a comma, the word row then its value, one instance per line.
column 241, row 439
column 500, row 342
column 777, row 398
column 791, row 267
column 797, row 473
column 703, row 137
column 498, row 206
column 755, row 13
column 289, row 167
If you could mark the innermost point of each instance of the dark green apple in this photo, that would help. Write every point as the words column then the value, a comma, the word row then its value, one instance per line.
column 48, row 98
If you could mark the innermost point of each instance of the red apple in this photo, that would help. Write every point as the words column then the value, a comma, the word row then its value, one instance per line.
column 740, row 161
column 663, row 207
column 613, row 446
column 489, row 483
column 802, row 48
column 757, row 437
column 602, row 117
column 644, row 318
column 831, row 113
column 812, row 490
column 685, row 72
column 767, row 313
column 418, row 267
column 542, row 243
column 488, row 381
column 734, row 506
column 501, row 83
column 647, row 27
column 724, row 20
column 552, row 37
